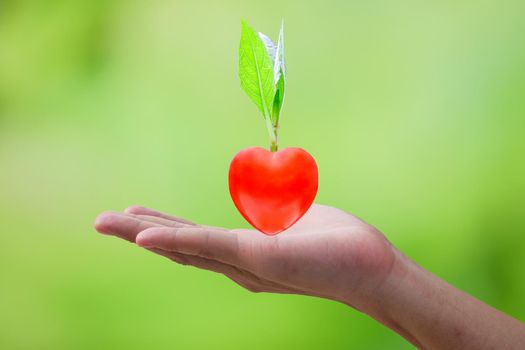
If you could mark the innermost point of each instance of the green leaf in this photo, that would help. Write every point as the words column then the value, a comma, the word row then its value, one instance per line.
column 279, row 66
column 279, row 77
column 256, row 70
column 270, row 46
column 278, row 99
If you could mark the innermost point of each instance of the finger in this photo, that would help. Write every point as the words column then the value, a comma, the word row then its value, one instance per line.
column 243, row 278
column 170, row 255
column 256, row 287
column 215, row 244
column 138, row 210
column 206, row 264
column 121, row 225
column 160, row 221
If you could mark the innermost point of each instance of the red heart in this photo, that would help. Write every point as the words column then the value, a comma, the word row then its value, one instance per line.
column 272, row 190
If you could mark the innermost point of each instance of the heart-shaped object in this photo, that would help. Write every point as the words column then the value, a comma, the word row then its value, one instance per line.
column 272, row 190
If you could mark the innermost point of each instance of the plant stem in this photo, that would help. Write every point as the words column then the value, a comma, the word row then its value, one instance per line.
column 273, row 145
column 272, row 132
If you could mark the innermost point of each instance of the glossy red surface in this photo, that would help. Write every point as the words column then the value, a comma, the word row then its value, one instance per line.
column 272, row 190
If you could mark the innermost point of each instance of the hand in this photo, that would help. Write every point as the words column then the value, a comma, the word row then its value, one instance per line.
column 327, row 253
column 330, row 254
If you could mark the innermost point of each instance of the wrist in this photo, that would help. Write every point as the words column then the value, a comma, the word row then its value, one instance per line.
column 395, row 298
column 429, row 312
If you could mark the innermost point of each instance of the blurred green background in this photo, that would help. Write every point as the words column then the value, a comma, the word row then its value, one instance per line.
column 414, row 110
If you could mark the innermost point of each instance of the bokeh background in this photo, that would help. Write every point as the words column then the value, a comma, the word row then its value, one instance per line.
column 414, row 110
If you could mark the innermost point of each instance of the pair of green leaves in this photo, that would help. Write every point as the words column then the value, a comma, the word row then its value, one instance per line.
column 262, row 71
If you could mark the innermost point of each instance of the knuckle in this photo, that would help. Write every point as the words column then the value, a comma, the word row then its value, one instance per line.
column 205, row 247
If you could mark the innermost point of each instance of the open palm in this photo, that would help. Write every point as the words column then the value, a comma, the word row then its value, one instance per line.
column 327, row 253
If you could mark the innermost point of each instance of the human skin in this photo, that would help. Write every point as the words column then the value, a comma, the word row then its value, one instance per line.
column 330, row 254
